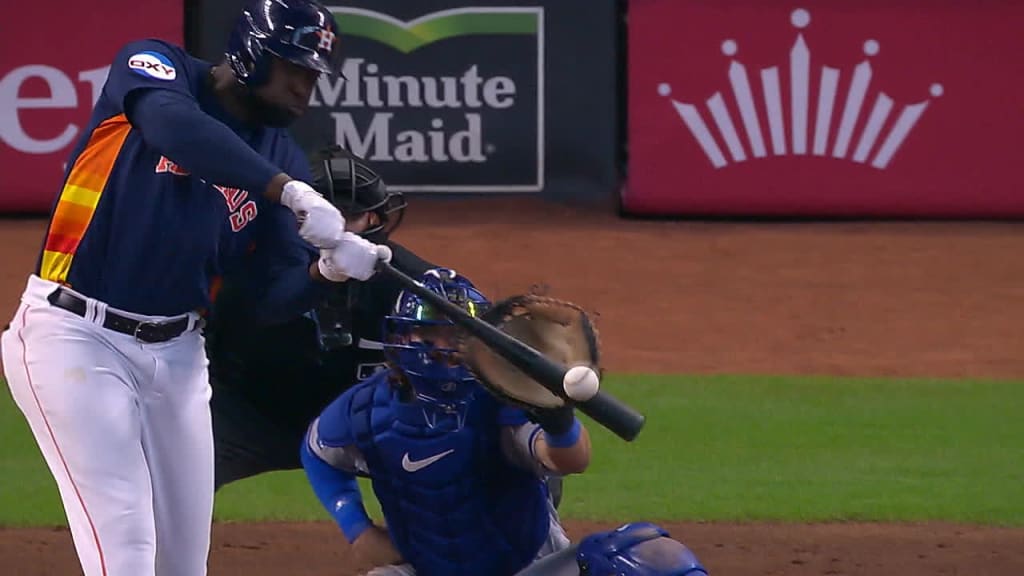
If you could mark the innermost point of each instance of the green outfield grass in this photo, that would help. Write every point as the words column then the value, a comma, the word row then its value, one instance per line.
column 719, row 448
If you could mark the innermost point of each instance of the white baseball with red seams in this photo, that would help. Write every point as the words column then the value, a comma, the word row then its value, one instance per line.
column 581, row 383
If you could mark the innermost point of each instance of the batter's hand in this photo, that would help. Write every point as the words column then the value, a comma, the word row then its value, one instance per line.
column 320, row 222
column 353, row 257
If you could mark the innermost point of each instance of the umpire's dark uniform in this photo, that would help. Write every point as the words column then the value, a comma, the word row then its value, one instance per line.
column 270, row 382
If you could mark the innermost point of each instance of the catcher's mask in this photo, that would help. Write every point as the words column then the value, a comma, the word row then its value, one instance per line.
column 355, row 189
column 419, row 342
column 636, row 549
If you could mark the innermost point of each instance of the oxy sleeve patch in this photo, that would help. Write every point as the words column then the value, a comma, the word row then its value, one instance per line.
column 152, row 65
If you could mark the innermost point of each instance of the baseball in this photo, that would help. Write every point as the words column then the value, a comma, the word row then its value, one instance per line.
column 580, row 383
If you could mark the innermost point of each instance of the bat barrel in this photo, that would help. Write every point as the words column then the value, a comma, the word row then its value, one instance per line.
column 614, row 415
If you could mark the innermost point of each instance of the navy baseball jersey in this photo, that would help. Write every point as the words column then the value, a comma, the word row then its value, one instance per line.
column 129, row 216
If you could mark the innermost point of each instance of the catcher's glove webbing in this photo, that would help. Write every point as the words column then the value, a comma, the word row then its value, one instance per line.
column 560, row 330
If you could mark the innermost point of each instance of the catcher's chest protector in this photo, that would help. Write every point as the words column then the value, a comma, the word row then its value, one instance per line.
column 452, row 503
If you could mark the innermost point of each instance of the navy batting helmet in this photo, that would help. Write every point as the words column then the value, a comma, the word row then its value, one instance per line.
column 303, row 32
column 636, row 549
column 355, row 188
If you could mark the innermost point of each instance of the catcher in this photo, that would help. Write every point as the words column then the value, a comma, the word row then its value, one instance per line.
column 458, row 466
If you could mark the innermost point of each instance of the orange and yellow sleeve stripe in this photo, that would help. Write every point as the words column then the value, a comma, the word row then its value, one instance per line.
column 81, row 195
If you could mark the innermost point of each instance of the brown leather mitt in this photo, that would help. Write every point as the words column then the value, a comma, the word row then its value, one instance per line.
column 560, row 330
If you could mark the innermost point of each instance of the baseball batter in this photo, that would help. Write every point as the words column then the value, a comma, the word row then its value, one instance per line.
column 184, row 167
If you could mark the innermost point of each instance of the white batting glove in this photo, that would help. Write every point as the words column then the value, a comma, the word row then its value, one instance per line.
column 320, row 223
column 353, row 257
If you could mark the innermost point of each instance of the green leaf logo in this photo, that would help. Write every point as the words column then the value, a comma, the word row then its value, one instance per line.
column 409, row 36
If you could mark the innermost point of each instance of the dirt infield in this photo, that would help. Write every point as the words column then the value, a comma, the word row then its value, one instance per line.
column 872, row 299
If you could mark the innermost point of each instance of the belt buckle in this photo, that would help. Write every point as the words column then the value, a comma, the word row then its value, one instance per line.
column 138, row 329
column 143, row 325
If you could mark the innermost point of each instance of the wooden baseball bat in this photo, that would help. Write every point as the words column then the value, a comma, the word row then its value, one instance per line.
column 605, row 409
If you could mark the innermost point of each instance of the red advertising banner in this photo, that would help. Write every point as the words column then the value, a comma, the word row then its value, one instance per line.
column 818, row 108
column 53, row 63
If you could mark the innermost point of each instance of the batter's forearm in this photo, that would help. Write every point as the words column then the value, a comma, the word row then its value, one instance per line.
column 316, row 275
column 289, row 294
column 174, row 124
column 314, row 272
column 276, row 187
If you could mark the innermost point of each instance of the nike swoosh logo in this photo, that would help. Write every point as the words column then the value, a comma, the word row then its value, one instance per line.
column 414, row 465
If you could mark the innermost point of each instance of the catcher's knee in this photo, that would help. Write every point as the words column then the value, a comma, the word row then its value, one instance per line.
column 637, row 548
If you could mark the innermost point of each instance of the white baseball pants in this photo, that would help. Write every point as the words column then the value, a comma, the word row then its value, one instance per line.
column 124, row 427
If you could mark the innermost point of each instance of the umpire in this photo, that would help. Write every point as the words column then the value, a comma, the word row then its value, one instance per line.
column 271, row 379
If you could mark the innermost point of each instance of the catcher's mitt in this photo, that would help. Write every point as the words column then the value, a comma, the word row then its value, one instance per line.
column 560, row 330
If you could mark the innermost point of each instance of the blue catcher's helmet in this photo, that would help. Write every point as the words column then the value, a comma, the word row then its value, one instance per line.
column 303, row 32
column 419, row 341
column 636, row 549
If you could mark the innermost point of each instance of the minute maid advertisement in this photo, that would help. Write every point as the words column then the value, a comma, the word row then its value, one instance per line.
column 449, row 101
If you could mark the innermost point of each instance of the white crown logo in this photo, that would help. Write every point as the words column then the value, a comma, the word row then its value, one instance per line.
column 799, row 64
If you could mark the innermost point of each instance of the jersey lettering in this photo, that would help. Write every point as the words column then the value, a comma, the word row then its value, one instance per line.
column 242, row 212
column 244, row 215
column 233, row 196
column 166, row 165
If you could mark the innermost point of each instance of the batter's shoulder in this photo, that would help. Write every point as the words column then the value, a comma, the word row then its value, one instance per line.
column 156, row 46
column 152, row 63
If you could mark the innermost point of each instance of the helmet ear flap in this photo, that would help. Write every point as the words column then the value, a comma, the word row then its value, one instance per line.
column 248, row 60
column 259, row 71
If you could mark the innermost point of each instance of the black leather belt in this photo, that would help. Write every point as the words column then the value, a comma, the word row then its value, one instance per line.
column 150, row 332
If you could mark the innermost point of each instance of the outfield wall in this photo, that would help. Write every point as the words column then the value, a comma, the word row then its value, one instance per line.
column 846, row 107
column 685, row 107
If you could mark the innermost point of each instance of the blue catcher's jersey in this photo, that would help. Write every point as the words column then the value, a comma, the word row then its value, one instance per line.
column 453, row 502
column 135, row 230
